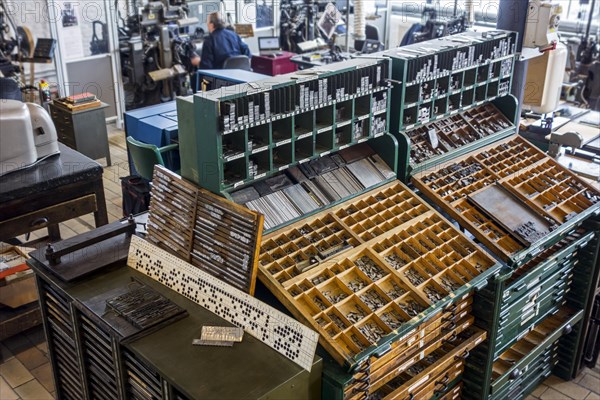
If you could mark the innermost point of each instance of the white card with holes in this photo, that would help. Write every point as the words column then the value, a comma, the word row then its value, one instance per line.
column 275, row 329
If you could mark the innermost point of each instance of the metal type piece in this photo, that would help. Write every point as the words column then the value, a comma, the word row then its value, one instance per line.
column 222, row 333
column 217, row 343
column 143, row 307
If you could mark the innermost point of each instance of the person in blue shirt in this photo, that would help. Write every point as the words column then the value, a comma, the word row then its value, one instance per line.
column 221, row 44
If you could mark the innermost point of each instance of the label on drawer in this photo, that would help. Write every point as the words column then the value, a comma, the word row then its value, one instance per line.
column 418, row 383
column 533, row 283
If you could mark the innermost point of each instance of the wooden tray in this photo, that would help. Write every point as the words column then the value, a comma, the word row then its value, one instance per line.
column 399, row 262
column 537, row 181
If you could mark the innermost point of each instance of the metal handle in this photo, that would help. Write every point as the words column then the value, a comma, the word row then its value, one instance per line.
column 450, row 308
column 443, row 381
column 39, row 223
column 449, row 327
column 450, row 339
column 382, row 352
column 515, row 373
column 464, row 355
column 567, row 329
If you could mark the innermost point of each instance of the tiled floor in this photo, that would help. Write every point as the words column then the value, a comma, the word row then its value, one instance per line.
column 25, row 372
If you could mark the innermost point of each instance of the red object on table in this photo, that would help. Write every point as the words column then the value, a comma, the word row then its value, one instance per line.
column 275, row 65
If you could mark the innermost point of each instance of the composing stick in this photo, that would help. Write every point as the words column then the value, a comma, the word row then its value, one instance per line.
column 275, row 329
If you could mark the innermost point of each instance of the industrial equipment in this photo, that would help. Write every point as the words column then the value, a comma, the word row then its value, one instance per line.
column 155, row 47
column 296, row 23
column 27, row 136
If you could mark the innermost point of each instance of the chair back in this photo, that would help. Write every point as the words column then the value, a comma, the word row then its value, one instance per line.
column 237, row 62
column 9, row 89
column 144, row 157
column 371, row 32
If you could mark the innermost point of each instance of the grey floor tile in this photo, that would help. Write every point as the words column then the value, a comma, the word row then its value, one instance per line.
column 551, row 394
column 590, row 382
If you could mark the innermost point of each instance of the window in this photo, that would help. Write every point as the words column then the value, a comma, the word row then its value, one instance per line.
column 264, row 14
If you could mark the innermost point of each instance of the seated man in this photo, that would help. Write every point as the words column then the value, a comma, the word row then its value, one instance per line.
column 221, row 44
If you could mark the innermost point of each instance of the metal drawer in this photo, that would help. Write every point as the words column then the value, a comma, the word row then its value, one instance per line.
column 527, row 383
column 66, row 135
column 520, row 286
column 558, row 283
column 564, row 320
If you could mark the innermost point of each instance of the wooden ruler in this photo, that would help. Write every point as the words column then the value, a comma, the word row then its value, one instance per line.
column 275, row 329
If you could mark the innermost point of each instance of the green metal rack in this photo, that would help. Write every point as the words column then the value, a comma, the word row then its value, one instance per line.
column 438, row 82
column 233, row 137
column 573, row 261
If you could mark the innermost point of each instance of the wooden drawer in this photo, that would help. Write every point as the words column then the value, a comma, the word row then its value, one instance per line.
column 424, row 376
column 433, row 343
column 408, row 350
column 452, row 394
column 443, row 322
column 48, row 216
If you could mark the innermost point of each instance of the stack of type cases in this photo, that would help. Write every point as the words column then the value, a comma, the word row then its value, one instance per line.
column 387, row 282
column 533, row 309
column 451, row 91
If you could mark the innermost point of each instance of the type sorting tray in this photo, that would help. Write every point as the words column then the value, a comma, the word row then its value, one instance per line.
column 312, row 186
column 439, row 141
column 448, row 75
column 366, row 272
column 411, row 348
column 480, row 190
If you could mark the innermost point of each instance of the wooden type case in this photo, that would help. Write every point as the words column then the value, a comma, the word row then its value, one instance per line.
column 537, row 182
column 400, row 264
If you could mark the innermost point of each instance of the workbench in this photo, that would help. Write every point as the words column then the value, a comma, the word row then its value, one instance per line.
column 57, row 189
column 91, row 358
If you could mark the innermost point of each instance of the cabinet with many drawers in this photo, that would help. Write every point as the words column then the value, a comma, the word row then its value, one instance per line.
column 535, row 309
column 84, row 131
